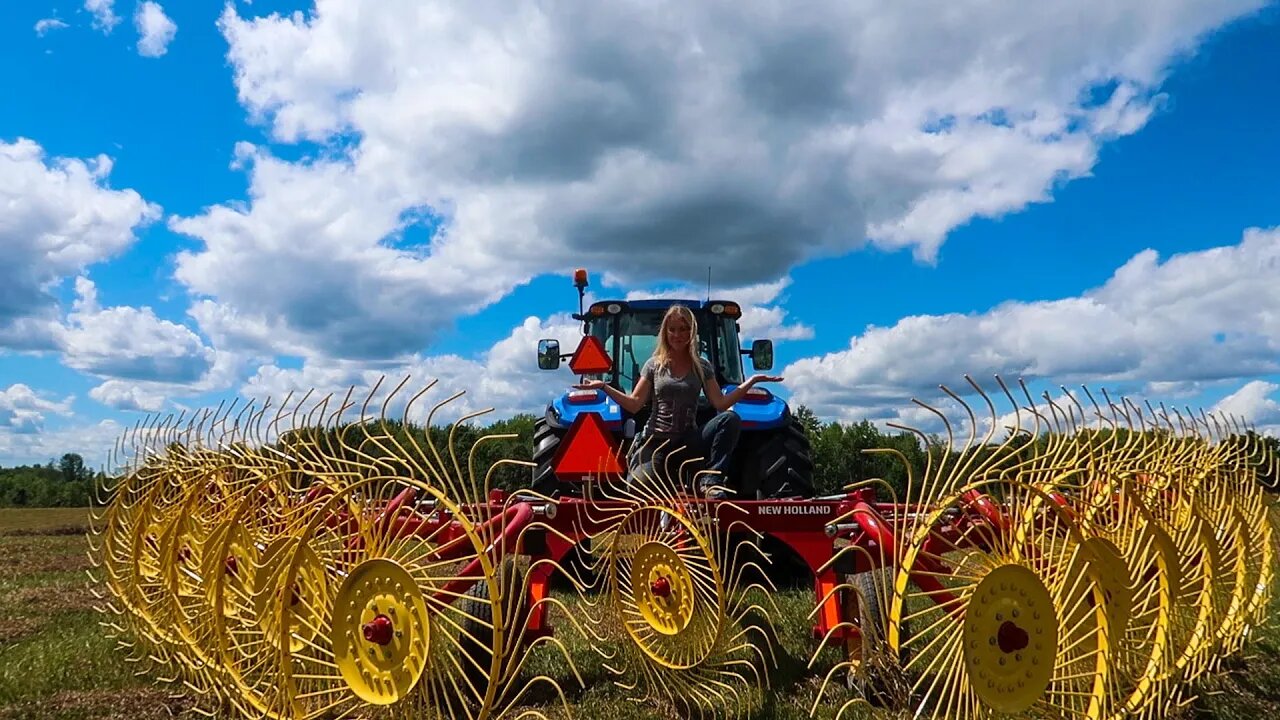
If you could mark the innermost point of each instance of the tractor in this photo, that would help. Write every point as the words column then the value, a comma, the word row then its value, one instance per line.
column 772, row 459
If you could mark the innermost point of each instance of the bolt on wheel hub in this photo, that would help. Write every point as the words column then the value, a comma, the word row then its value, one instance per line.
column 381, row 631
column 1010, row 639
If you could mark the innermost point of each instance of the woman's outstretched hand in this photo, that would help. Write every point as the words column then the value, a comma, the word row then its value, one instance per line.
column 757, row 378
column 591, row 385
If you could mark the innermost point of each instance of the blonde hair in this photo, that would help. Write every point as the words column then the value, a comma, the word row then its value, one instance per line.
column 662, row 354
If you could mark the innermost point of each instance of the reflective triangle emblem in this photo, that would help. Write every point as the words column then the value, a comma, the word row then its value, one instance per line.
column 587, row 449
column 590, row 357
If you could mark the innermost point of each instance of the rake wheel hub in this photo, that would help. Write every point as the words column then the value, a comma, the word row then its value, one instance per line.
column 381, row 631
column 663, row 588
column 1010, row 639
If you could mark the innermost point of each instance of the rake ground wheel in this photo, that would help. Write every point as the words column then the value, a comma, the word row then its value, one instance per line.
column 871, row 669
column 385, row 630
column 1001, row 613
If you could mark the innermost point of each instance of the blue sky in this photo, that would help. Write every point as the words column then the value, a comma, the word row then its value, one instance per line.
column 250, row 236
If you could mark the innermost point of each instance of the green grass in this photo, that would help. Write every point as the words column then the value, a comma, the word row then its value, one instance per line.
column 56, row 662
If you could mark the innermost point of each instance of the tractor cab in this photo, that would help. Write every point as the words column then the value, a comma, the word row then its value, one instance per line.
column 618, row 337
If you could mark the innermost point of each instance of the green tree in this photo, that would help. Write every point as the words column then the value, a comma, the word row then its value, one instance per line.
column 72, row 467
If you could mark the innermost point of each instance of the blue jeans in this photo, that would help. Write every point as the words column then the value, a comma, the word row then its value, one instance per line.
column 712, row 446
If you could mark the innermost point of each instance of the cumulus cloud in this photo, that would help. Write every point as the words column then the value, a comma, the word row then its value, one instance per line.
column 469, row 147
column 47, row 25
column 60, row 217
column 104, row 16
column 1256, row 404
column 505, row 378
column 762, row 313
column 93, row 441
column 130, row 343
column 22, row 411
column 155, row 29
column 123, row 395
column 1199, row 317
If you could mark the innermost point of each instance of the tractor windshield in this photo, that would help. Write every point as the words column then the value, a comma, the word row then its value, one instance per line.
column 631, row 337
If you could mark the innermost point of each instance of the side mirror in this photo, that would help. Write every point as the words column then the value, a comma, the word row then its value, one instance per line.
column 548, row 354
column 762, row 354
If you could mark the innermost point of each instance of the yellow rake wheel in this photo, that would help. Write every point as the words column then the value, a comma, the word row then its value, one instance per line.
column 668, row 586
column 999, row 609
column 1138, row 572
column 388, row 627
column 690, row 634
column 246, row 558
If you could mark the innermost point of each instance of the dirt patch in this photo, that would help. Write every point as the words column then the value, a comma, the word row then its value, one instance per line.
column 47, row 601
column 14, row 629
column 55, row 530
column 30, row 555
column 128, row 704
column 28, row 611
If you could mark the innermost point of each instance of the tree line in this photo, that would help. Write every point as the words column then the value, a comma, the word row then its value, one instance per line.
column 836, row 449
column 66, row 482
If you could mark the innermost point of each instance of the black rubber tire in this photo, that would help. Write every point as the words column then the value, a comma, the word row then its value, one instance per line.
column 781, row 464
column 478, row 623
column 878, row 683
column 546, row 441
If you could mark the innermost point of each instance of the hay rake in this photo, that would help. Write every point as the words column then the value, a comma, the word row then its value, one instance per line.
column 319, row 560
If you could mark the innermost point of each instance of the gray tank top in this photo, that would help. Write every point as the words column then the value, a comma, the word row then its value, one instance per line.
column 675, row 400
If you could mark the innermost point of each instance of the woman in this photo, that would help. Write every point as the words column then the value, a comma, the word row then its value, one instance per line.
column 673, row 379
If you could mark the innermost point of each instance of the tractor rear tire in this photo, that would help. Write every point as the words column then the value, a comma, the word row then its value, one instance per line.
column 546, row 441
column 781, row 465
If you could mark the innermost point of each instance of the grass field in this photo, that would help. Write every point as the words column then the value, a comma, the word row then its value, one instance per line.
column 55, row 662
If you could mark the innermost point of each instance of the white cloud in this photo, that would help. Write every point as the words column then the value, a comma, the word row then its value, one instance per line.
column 505, row 378
column 104, row 16
column 155, row 29
column 1200, row 317
column 762, row 313
column 93, row 441
column 60, row 217
column 22, row 411
column 47, row 25
column 123, row 395
column 1255, row 403
column 737, row 136
column 130, row 343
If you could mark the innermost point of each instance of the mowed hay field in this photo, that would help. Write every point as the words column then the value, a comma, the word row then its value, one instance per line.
column 56, row 661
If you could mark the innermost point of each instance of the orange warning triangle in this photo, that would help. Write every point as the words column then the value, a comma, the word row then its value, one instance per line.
column 587, row 449
column 590, row 357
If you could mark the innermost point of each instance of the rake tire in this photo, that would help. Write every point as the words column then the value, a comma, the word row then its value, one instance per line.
column 875, row 682
column 479, row 611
